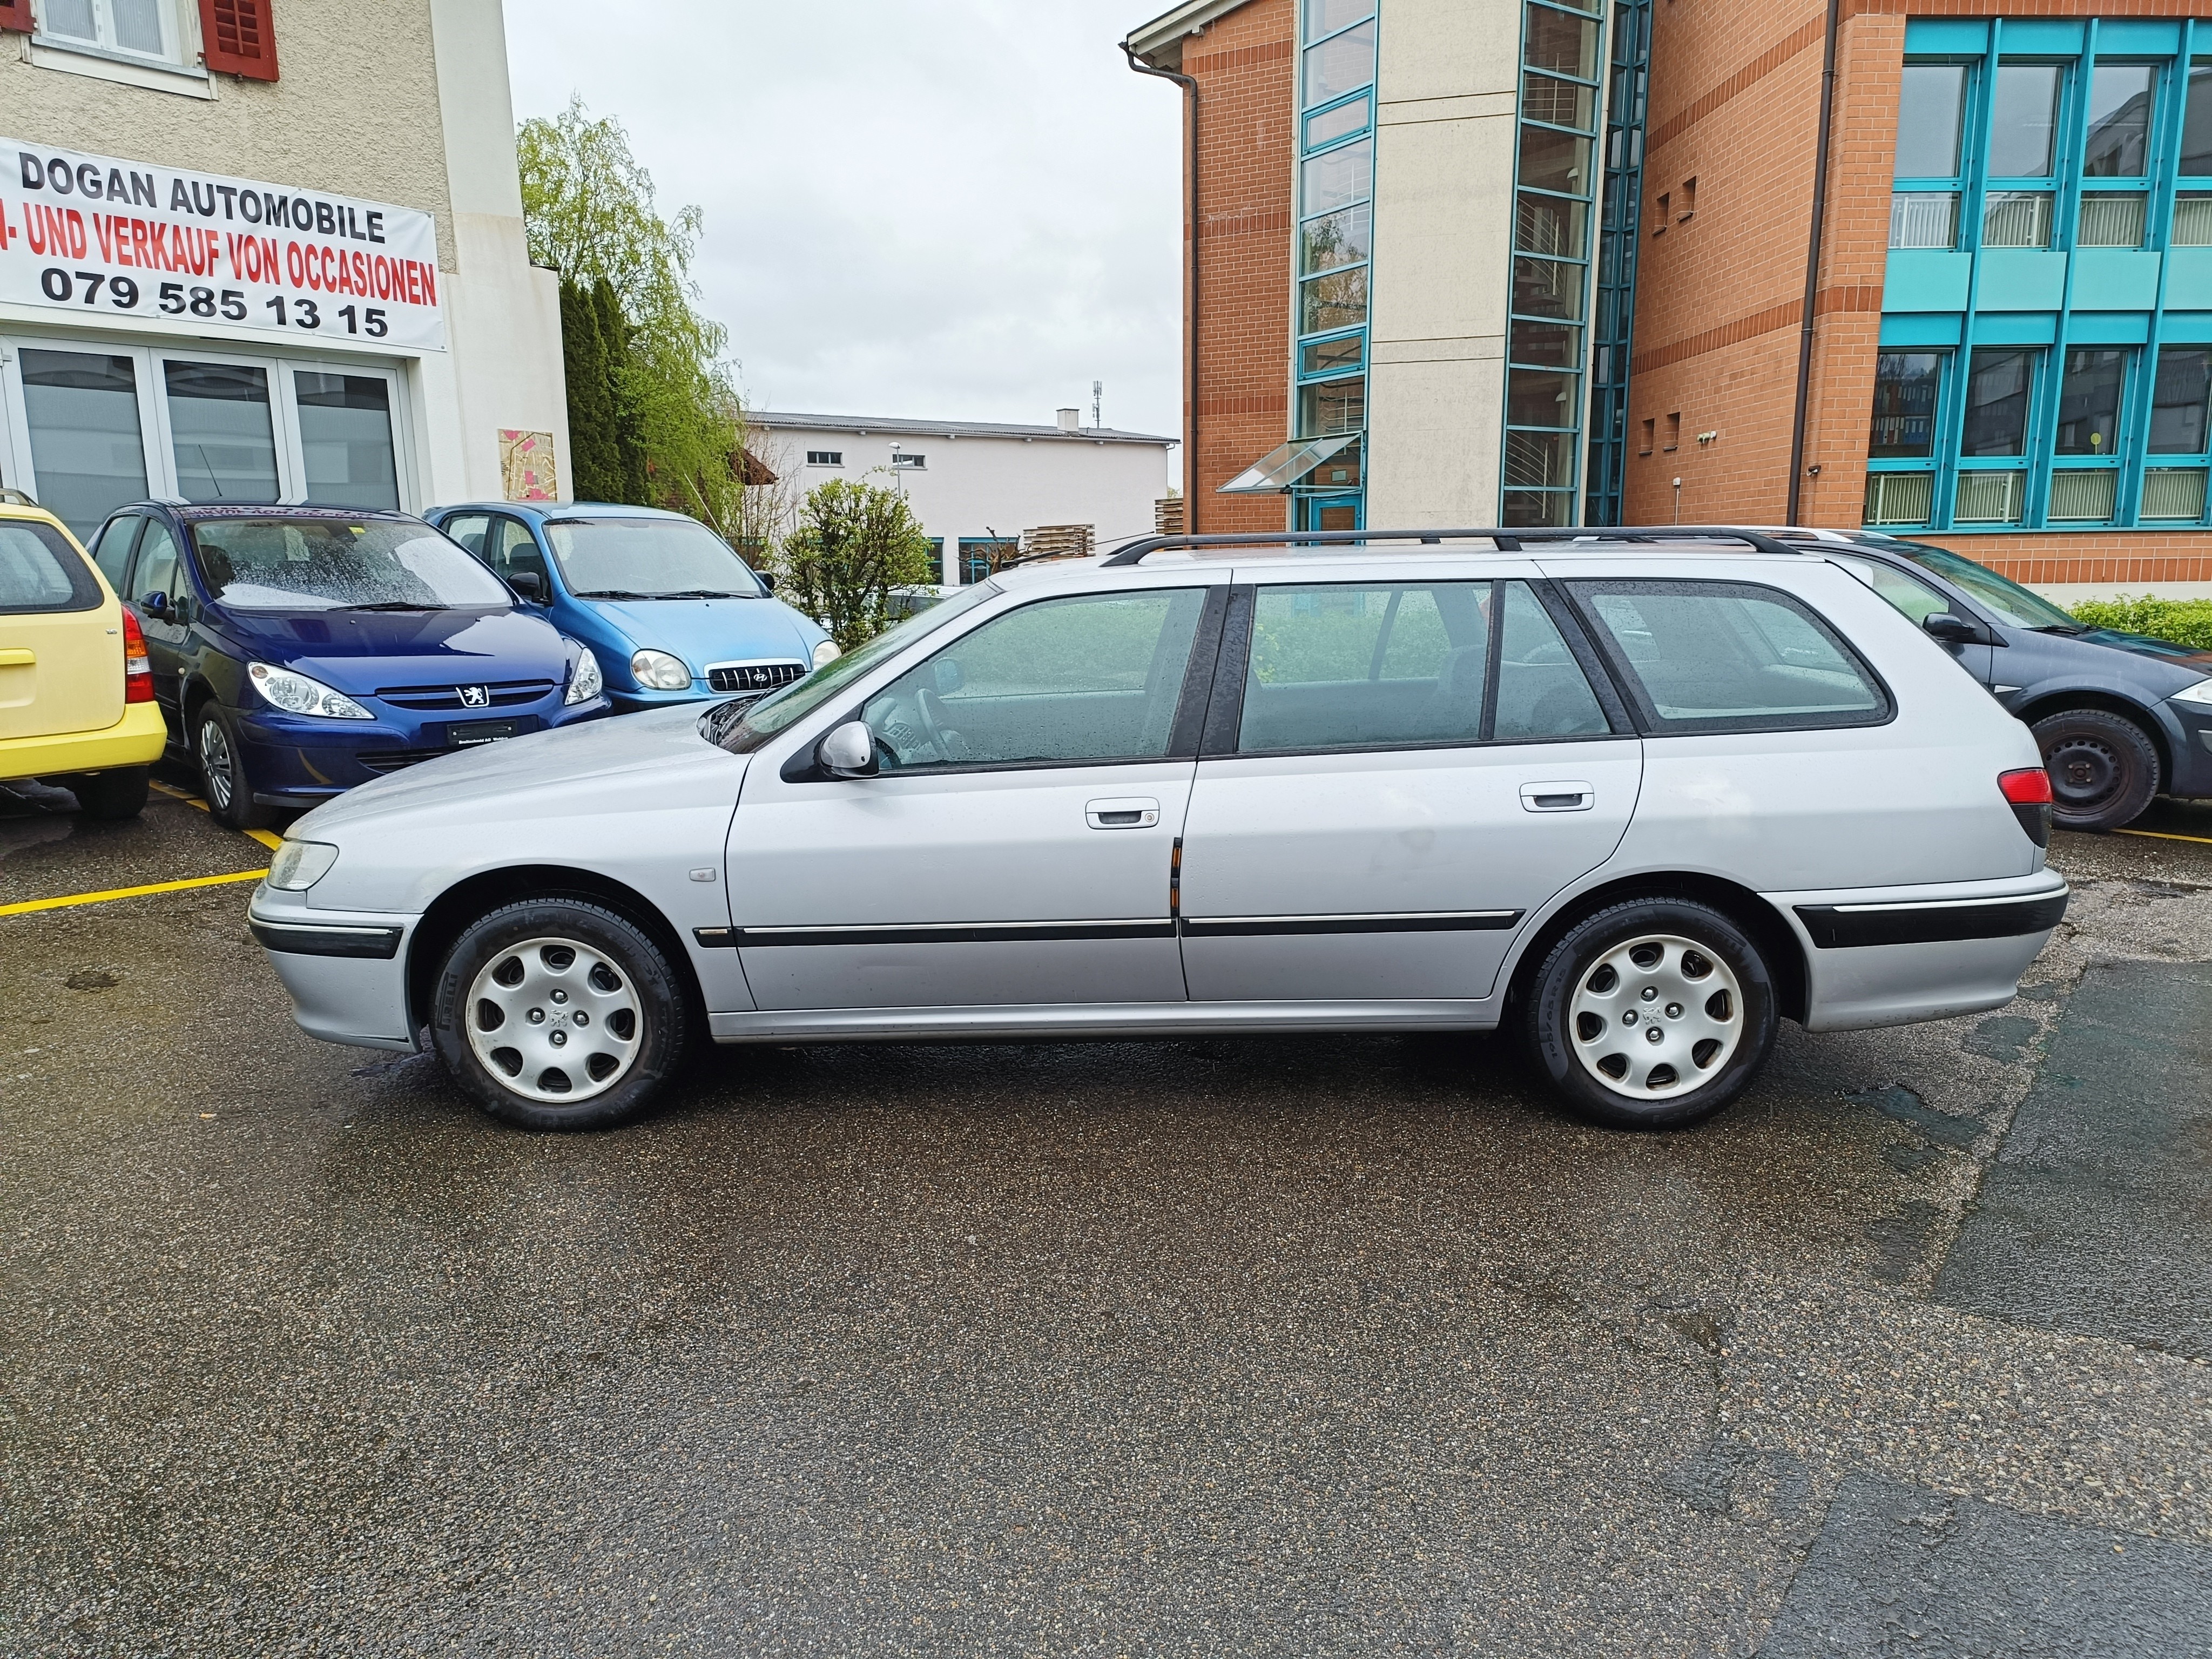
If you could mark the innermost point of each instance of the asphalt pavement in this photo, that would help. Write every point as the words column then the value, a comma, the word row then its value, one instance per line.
column 1314, row 1347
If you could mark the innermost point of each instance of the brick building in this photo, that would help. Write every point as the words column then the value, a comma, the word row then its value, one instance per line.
column 1547, row 261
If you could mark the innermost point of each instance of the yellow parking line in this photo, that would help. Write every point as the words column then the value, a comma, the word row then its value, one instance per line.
column 74, row 899
column 272, row 842
column 2160, row 834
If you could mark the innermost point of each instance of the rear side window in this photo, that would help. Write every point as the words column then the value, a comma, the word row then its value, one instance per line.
column 1359, row 666
column 111, row 551
column 40, row 571
column 1731, row 656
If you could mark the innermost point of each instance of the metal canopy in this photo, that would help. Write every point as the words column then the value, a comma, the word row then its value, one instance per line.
column 1279, row 468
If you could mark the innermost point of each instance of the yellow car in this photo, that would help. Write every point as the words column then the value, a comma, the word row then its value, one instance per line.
column 77, row 693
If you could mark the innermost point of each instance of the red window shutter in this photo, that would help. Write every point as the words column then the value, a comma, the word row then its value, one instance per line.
column 237, row 38
column 15, row 14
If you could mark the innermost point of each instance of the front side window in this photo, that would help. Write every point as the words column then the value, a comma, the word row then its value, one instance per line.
column 512, row 550
column 1720, row 656
column 2005, row 599
column 156, row 571
column 647, row 559
column 335, row 564
column 1913, row 600
column 1092, row 677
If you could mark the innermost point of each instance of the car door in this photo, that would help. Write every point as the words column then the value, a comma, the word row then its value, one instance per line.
column 1398, row 771
column 160, row 597
column 511, row 550
column 1017, row 844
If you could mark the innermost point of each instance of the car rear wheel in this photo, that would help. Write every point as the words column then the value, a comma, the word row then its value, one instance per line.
column 118, row 794
column 1653, row 1013
column 223, row 777
column 559, row 1014
column 2103, row 768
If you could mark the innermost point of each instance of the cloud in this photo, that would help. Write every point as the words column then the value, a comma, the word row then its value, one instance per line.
column 960, row 209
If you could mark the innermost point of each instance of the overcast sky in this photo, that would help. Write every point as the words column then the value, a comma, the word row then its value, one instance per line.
column 962, row 209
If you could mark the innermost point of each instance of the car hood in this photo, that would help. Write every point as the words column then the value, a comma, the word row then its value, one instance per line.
column 607, row 765
column 359, row 651
column 702, row 631
column 2142, row 645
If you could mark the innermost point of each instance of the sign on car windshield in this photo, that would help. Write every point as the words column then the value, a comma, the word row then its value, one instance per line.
column 102, row 238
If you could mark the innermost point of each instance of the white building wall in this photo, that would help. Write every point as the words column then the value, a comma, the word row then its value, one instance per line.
column 1447, row 81
column 978, row 486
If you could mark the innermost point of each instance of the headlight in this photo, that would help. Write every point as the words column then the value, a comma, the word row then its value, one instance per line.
column 299, row 865
column 2200, row 694
column 659, row 671
column 826, row 652
column 295, row 693
column 586, row 682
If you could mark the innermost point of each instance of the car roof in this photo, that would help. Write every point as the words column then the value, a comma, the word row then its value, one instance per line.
column 196, row 511
column 565, row 510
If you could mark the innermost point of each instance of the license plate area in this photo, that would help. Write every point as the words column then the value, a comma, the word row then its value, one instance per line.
column 468, row 734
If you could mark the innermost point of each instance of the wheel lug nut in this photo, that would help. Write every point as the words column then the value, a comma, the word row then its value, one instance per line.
column 537, row 1016
column 560, row 996
column 1651, row 1034
column 558, row 1038
column 1629, row 1018
column 1673, row 1011
column 1649, row 992
column 580, row 1017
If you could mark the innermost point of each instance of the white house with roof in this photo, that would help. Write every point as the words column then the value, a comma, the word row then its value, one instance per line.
column 974, row 485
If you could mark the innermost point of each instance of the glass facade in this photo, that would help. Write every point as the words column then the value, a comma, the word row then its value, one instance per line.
column 1613, row 324
column 2046, row 333
column 1555, row 190
column 1335, row 239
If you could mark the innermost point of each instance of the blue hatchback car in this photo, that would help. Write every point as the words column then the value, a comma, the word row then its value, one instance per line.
column 297, row 651
column 671, row 613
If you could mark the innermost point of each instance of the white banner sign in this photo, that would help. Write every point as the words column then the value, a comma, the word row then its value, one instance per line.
column 102, row 239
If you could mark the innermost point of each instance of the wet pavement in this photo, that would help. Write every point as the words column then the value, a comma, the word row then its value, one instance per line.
column 1313, row 1346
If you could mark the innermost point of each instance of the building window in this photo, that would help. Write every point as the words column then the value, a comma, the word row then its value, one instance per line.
column 1555, row 189
column 1905, row 389
column 980, row 555
column 1334, row 244
column 138, row 28
column 1612, row 331
column 825, row 458
column 904, row 461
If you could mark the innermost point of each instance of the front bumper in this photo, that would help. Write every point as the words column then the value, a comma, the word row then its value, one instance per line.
column 299, row 762
column 2189, row 735
column 1896, row 956
column 346, row 971
column 136, row 739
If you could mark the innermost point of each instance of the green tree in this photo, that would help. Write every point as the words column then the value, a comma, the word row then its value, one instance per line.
column 671, row 413
column 593, row 473
column 856, row 542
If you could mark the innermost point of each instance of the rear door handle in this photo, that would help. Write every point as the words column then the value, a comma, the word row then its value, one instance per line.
column 15, row 657
column 1557, row 798
column 1136, row 813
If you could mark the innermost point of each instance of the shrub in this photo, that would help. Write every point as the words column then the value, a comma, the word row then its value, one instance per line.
column 856, row 542
column 2183, row 621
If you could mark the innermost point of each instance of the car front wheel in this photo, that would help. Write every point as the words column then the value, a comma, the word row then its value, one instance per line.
column 222, row 773
column 2103, row 768
column 1653, row 1013
column 559, row 1014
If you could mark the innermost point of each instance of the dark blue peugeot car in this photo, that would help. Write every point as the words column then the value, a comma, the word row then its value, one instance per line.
column 297, row 651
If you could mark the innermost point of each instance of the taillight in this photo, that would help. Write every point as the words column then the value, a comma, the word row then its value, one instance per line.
column 138, row 673
column 2028, row 792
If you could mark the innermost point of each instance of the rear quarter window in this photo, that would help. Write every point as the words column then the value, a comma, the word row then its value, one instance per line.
column 40, row 571
column 1730, row 657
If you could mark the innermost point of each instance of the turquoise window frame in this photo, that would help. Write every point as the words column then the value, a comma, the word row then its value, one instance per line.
column 1566, row 495
column 1309, row 500
column 2079, row 320
column 1612, row 323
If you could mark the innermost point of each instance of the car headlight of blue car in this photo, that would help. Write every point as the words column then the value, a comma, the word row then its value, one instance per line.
column 826, row 652
column 656, row 671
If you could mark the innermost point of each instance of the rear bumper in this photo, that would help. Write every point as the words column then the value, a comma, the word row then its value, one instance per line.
column 136, row 739
column 1896, row 956
column 345, row 972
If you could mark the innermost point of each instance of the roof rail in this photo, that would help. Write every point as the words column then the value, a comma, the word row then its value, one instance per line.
column 1502, row 539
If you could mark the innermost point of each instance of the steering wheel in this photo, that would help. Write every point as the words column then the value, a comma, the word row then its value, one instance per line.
column 926, row 706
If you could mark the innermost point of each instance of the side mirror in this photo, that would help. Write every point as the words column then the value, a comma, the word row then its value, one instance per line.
column 766, row 579
column 848, row 751
column 1951, row 629
column 948, row 674
column 156, row 604
column 529, row 585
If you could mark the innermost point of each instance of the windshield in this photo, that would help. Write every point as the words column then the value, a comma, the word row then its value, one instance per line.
column 648, row 559
column 770, row 714
column 2008, row 600
column 339, row 564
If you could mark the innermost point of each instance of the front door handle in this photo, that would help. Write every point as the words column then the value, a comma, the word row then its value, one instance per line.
column 1136, row 813
column 1557, row 798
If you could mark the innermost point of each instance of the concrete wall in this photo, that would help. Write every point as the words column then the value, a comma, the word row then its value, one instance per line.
column 1447, row 82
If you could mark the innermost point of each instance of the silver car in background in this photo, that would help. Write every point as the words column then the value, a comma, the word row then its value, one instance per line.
column 1637, row 795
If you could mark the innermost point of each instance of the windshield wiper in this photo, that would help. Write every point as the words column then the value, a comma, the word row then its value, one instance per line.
column 2069, row 630
column 705, row 593
column 392, row 605
column 611, row 593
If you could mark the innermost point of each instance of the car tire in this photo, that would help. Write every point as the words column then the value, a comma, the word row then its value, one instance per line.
column 1668, row 964
column 559, row 1014
column 224, row 782
column 118, row 794
column 2103, row 768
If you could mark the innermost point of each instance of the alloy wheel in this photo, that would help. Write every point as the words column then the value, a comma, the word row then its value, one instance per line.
column 216, row 765
column 555, row 1020
column 1655, row 1017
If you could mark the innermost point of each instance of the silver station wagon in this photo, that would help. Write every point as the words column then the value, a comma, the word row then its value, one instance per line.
column 1638, row 796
